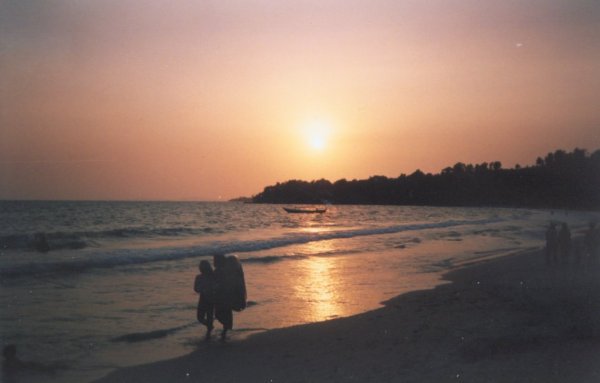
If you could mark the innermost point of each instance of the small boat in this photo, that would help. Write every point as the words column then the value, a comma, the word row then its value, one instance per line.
column 305, row 210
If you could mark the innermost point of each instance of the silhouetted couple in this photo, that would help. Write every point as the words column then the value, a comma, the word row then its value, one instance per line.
column 558, row 244
column 222, row 290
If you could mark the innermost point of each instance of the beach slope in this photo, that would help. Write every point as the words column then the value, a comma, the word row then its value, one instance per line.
column 511, row 319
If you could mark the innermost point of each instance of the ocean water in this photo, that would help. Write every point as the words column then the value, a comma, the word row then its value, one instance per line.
column 87, row 287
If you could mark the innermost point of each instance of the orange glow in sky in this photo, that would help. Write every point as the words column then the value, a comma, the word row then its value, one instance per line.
column 200, row 99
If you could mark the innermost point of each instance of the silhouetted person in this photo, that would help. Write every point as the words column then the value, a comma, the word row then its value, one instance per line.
column 236, row 284
column 223, row 311
column 551, row 244
column 231, row 290
column 564, row 242
column 205, row 285
column 591, row 241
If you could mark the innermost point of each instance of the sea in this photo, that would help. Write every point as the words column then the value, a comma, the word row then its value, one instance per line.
column 89, row 287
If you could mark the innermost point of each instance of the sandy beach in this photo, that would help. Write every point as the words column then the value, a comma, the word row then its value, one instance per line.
column 510, row 319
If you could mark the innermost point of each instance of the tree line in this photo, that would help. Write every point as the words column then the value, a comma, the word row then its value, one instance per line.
column 559, row 180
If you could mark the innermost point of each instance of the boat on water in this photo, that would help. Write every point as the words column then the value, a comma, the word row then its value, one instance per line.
column 305, row 210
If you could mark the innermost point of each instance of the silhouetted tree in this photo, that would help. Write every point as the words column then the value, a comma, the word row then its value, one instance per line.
column 560, row 180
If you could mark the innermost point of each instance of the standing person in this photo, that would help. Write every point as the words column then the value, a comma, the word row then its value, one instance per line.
column 223, row 311
column 236, row 283
column 564, row 242
column 551, row 244
column 205, row 285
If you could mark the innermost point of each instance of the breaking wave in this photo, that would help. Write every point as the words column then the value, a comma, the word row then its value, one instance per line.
column 81, row 239
column 123, row 257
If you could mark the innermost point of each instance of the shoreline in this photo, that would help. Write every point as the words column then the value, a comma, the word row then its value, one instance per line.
column 506, row 319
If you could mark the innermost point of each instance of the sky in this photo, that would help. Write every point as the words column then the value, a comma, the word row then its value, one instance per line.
column 209, row 100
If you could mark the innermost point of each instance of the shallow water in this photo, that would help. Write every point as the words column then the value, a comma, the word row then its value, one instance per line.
column 115, row 289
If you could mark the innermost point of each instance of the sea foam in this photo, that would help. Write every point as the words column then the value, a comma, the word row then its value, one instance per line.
column 122, row 257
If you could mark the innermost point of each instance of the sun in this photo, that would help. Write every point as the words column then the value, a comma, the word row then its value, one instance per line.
column 317, row 133
column 317, row 142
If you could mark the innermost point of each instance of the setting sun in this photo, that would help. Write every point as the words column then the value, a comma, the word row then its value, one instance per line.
column 317, row 133
column 317, row 142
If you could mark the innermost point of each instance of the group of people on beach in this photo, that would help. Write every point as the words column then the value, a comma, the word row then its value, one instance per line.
column 222, row 290
column 559, row 247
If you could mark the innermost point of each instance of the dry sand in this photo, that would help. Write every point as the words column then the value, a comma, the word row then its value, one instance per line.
column 511, row 319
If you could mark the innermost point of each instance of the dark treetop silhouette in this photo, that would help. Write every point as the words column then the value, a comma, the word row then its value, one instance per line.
column 560, row 180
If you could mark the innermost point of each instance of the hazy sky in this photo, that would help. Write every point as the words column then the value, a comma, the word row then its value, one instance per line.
column 147, row 99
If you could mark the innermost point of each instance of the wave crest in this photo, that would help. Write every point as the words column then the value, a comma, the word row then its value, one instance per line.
column 124, row 257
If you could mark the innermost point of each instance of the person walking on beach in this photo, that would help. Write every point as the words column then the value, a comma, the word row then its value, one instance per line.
column 591, row 241
column 205, row 285
column 564, row 243
column 236, row 283
column 231, row 295
column 551, row 244
column 223, row 311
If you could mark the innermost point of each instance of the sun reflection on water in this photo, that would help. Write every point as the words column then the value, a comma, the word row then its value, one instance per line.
column 318, row 285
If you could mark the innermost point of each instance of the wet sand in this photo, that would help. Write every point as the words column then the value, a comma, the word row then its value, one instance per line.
column 510, row 319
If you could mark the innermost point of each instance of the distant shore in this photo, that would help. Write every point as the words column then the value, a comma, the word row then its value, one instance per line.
column 479, row 185
column 511, row 319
